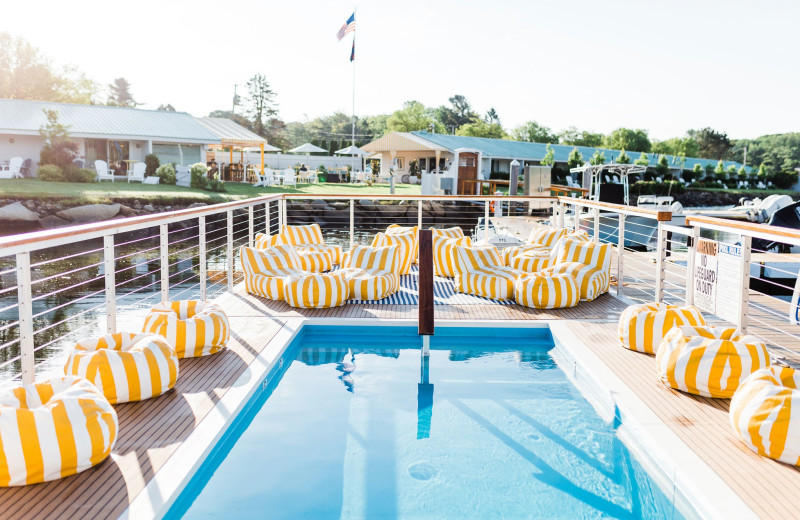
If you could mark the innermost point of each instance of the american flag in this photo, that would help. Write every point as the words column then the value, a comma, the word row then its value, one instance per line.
column 348, row 27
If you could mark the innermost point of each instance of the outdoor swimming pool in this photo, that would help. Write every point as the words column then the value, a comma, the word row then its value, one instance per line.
column 353, row 424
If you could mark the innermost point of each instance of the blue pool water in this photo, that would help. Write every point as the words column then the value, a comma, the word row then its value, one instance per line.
column 352, row 425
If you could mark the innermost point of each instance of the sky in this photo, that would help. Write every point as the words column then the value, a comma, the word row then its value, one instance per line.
column 664, row 66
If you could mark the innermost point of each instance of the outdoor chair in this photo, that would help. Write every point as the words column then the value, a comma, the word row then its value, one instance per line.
column 103, row 173
column 289, row 178
column 26, row 168
column 137, row 175
column 13, row 169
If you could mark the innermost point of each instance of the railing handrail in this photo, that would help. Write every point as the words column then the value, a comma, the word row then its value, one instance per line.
column 356, row 196
column 661, row 216
column 784, row 234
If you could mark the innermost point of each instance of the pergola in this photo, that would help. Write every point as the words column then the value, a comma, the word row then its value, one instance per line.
column 235, row 136
column 241, row 144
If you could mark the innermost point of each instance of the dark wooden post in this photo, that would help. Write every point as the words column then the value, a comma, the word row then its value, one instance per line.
column 425, row 282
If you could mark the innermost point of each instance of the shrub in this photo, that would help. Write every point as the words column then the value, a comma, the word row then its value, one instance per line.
column 199, row 173
column 151, row 164
column 783, row 180
column 503, row 176
column 80, row 175
column 215, row 184
column 50, row 173
column 689, row 175
column 167, row 174
column 657, row 188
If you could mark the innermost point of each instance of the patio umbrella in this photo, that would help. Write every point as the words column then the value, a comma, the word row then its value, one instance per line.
column 307, row 149
column 353, row 151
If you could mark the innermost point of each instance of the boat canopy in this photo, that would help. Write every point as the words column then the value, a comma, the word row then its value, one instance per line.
column 592, row 173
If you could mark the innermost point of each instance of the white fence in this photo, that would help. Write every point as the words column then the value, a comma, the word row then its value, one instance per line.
column 279, row 161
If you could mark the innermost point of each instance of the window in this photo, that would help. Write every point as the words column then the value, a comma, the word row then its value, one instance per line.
column 118, row 151
column 96, row 150
column 180, row 154
column 399, row 163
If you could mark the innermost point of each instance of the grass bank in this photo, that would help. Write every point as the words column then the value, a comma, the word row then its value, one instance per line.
column 70, row 193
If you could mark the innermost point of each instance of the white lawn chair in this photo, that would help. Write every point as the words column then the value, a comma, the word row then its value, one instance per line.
column 261, row 179
column 103, row 173
column 289, row 178
column 137, row 175
column 13, row 169
column 311, row 177
column 384, row 177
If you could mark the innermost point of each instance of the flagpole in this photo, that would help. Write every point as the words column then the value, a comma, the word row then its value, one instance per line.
column 353, row 118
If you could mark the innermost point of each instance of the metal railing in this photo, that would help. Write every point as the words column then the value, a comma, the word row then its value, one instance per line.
column 60, row 285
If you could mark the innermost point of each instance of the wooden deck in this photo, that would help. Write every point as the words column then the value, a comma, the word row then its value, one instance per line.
column 152, row 430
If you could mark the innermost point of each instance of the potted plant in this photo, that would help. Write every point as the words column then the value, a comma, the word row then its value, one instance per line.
column 413, row 172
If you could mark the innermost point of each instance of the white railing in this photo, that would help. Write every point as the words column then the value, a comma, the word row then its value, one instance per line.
column 59, row 285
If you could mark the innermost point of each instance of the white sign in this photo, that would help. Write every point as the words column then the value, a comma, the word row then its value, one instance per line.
column 794, row 308
column 705, row 276
column 730, row 279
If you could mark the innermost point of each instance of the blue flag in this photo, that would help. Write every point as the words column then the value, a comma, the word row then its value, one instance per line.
column 353, row 51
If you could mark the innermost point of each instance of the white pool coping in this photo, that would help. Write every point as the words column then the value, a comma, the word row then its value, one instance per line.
column 665, row 456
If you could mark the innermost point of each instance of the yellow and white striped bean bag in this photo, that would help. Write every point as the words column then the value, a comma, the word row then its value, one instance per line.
column 367, row 257
column 406, row 244
column 592, row 281
column 511, row 252
column 265, row 270
column 317, row 290
column 125, row 366
column 546, row 236
column 397, row 229
column 53, row 429
column 580, row 235
column 444, row 263
column 643, row 326
column 451, row 232
column 709, row 361
column 479, row 271
column 765, row 413
column 589, row 253
column 263, row 241
column 370, row 284
column 313, row 260
column 532, row 261
column 194, row 328
column 310, row 237
column 555, row 291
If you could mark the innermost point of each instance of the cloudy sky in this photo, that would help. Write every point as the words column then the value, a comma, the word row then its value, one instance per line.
column 665, row 66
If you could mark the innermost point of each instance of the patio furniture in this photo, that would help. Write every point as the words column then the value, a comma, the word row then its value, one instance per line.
column 25, row 170
column 309, row 237
column 313, row 291
column 556, row 291
column 762, row 413
column 371, row 272
column 103, row 173
column 13, row 169
column 137, row 175
column 125, row 366
column 480, row 272
column 266, row 271
column 443, row 251
column 709, row 361
column 643, row 326
column 406, row 243
column 54, row 429
column 289, row 178
column 193, row 327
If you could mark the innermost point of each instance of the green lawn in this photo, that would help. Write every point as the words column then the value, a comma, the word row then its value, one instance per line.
column 73, row 193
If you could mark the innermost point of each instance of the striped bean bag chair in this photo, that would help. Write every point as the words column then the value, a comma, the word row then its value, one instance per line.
column 372, row 272
column 451, row 232
column 545, row 236
column 764, row 413
column 555, row 291
column 511, row 252
column 709, row 361
column 194, row 328
column 125, row 366
column 532, row 260
column 444, row 262
column 265, row 270
column 643, row 326
column 310, row 236
column 263, row 241
column 480, row 271
column 594, row 278
column 314, row 260
column 317, row 290
column 406, row 243
column 53, row 429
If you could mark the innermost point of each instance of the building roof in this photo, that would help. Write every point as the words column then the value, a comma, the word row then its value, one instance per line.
column 232, row 133
column 403, row 142
column 26, row 117
column 525, row 151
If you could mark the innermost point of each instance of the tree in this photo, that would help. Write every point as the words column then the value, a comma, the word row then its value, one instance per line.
column 598, row 158
column 698, row 170
column 623, row 158
column 492, row 117
column 633, row 140
column 533, row 132
column 119, row 94
column 166, row 108
column 480, row 128
column 260, row 103
column 549, row 156
column 662, row 166
column 677, row 146
column 710, row 143
column 57, row 149
column 575, row 158
column 720, row 169
column 780, row 152
column 413, row 116
column 762, row 171
column 459, row 113
column 642, row 160
column 574, row 137
column 26, row 74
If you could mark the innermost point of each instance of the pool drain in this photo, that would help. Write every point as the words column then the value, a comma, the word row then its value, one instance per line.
column 422, row 471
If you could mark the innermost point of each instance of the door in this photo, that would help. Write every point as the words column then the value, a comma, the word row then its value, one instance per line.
column 467, row 171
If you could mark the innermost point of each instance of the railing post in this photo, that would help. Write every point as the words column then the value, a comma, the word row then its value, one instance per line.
column 352, row 221
column 747, row 242
column 560, row 209
column 281, row 204
column 24, row 299
column 267, row 228
column 229, row 250
column 661, row 261
column 201, row 229
column 164, row 257
column 425, row 317
column 691, row 248
column 419, row 214
column 486, row 220
column 250, row 226
column 109, row 270
column 620, row 254
column 596, row 226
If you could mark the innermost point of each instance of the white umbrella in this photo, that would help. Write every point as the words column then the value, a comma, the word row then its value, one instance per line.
column 308, row 149
column 352, row 151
